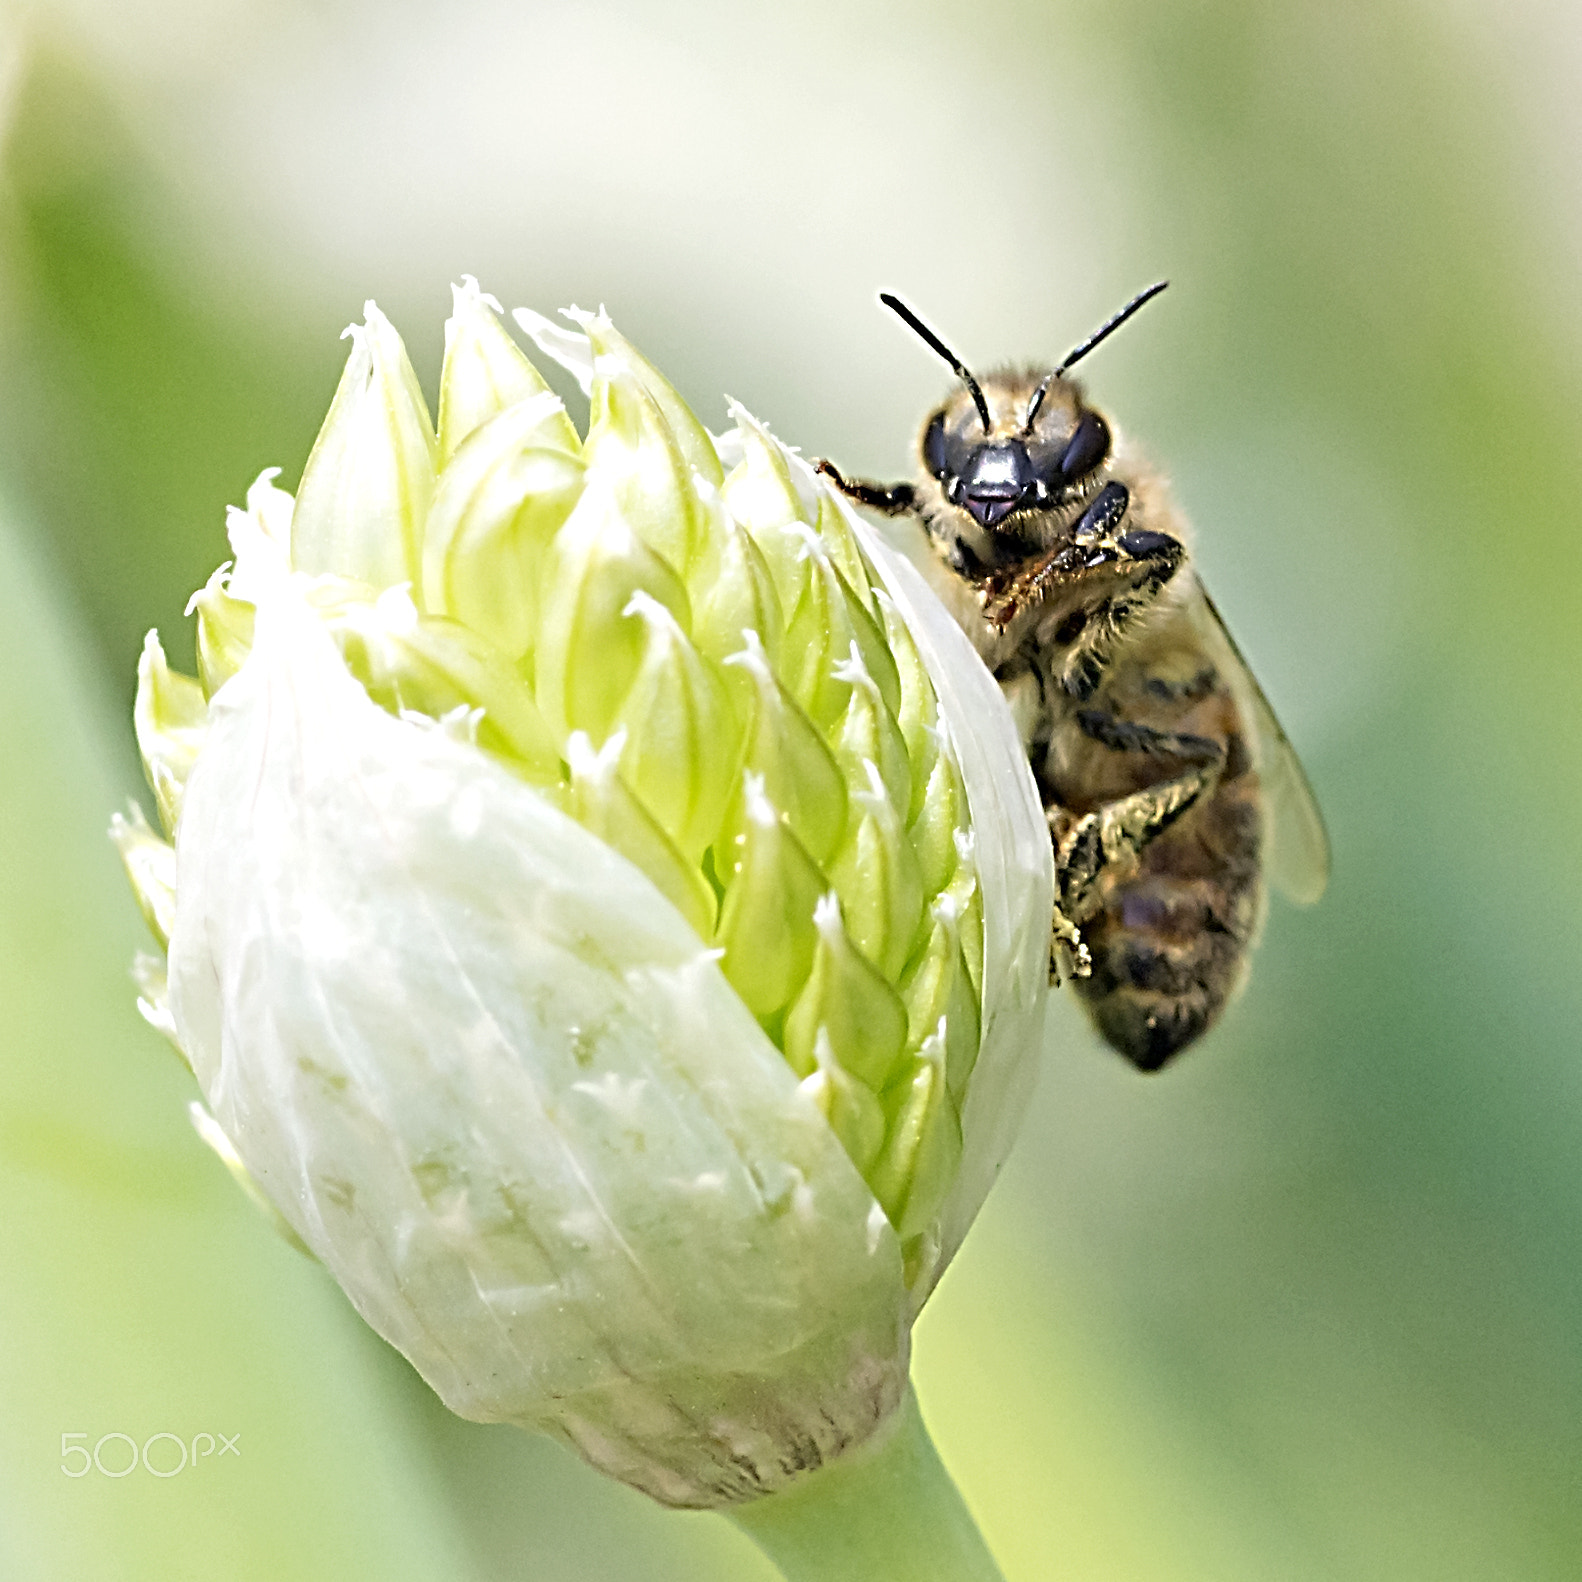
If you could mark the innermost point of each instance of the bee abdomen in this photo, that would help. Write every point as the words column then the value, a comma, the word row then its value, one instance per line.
column 1168, row 954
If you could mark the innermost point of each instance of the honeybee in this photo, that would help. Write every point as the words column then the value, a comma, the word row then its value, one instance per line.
column 1170, row 790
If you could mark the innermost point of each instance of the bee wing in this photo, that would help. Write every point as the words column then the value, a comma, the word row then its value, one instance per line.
column 1298, row 860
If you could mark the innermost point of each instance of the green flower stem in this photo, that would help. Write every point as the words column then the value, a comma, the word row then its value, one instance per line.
column 887, row 1512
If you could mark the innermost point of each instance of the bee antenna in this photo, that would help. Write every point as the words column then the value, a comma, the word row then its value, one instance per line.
column 1101, row 333
column 908, row 317
column 1105, row 330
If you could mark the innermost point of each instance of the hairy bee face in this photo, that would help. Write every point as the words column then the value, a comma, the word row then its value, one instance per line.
column 999, row 491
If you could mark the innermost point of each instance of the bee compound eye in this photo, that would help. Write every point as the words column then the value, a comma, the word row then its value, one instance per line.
column 1087, row 447
column 934, row 446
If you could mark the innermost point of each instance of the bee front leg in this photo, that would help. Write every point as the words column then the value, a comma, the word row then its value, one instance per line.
column 1106, row 578
column 892, row 499
column 1128, row 574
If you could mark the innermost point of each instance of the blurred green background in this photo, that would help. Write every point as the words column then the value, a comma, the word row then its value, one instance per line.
column 1308, row 1306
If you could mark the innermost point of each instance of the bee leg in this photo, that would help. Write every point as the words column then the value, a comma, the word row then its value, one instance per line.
column 1108, row 842
column 1113, row 580
column 1069, row 956
column 1138, row 565
column 895, row 499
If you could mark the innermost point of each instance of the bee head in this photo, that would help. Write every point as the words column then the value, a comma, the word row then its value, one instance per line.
column 1023, row 459
column 1027, row 443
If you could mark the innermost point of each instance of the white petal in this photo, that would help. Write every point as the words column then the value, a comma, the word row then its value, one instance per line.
column 569, row 348
column 415, row 1027
column 1015, row 865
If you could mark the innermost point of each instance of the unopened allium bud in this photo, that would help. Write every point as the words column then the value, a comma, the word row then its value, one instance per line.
column 608, row 910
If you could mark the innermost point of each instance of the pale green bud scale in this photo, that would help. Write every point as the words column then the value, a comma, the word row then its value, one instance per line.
column 689, row 435
column 223, row 606
column 485, row 372
column 876, row 874
column 602, row 802
column 631, row 447
column 151, row 976
column 742, row 597
column 938, row 991
column 759, row 493
column 499, row 503
column 866, row 733
column 836, row 535
column 366, row 488
column 589, row 645
column 923, row 1146
column 828, row 620
column 915, row 713
column 848, row 1003
column 151, row 866
column 784, row 748
column 767, row 925
column 225, row 631
column 933, row 829
column 966, row 894
column 684, row 739
column 425, row 664
column 170, row 717
column 854, row 1113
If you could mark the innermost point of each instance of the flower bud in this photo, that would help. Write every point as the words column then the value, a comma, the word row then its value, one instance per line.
column 591, row 643
column 760, row 494
column 608, row 911
column 742, row 604
column 648, row 446
column 767, row 927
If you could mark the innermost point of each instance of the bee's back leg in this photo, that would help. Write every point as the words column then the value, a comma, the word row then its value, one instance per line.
column 1108, row 842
